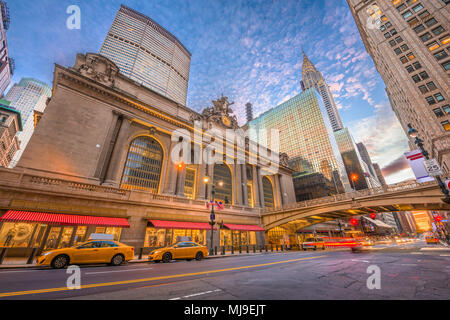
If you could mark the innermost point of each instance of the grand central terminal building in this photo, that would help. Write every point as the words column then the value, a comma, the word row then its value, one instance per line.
column 100, row 162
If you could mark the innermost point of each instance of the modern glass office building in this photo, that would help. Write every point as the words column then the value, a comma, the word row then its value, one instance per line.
column 26, row 96
column 6, row 62
column 306, row 136
column 147, row 53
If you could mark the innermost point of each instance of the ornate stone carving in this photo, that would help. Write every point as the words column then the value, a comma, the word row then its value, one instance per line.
column 221, row 113
column 152, row 131
column 97, row 67
column 284, row 159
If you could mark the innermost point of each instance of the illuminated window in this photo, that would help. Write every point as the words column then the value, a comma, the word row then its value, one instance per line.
column 143, row 166
column 268, row 193
column 223, row 183
column 412, row 22
column 410, row 56
column 445, row 40
column 189, row 182
column 446, row 125
column 433, row 45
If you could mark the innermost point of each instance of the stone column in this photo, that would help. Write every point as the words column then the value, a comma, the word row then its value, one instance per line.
column 260, row 186
column 237, row 172
column 201, row 184
column 255, row 187
column 171, row 173
column 181, row 181
column 277, row 190
column 113, row 172
column 244, row 184
column 107, row 148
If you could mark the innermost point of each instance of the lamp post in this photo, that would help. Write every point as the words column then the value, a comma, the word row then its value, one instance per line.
column 212, row 216
column 413, row 133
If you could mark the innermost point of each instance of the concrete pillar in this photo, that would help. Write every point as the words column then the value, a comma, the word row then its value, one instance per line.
column 181, row 180
column 113, row 172
column 277, row 190
column 255, row 187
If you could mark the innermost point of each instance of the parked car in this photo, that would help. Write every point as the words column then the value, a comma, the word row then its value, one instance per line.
column 90, row 252
column 313, row 243
column 186, row 250
column 432, row 240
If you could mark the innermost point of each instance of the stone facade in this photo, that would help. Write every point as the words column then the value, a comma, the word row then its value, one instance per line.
column 10, row 125
column 76, row 160
column 400, row 36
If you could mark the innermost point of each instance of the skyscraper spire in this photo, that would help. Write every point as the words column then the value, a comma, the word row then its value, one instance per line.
column 312, row 78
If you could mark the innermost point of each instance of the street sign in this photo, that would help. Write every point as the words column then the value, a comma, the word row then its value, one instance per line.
column 433, row 168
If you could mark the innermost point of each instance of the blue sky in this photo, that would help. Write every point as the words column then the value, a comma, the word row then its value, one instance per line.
column 247, row 50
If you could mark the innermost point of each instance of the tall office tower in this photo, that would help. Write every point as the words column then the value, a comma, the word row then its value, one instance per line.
column 379, row 175
column 10, row 125
column 362, row 150
column 306, row 136
column 29, row 95
column 409, row 44
column 249, row 112
column 314, row 79
column 6, row 63
column 354, row 164
column 147, row 53
column 389, row 219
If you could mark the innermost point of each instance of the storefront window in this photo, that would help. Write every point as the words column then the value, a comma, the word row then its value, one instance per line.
column 38, row 235
column 65, row 237
column 199, row 236
column 100, row 229
column 244, row 238
column 79, row 235
column 154, row 237
column 252, row 237
column 52, row 239
column 225, row 237
column 116, row 231
column 276, row 235
column 16, row 234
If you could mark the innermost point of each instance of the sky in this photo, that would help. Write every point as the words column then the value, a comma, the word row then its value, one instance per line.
column 248, row 50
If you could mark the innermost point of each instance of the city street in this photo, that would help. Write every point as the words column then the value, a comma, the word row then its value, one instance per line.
column 407, row 272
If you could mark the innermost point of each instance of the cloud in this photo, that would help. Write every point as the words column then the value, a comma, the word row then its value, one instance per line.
column 395, row 166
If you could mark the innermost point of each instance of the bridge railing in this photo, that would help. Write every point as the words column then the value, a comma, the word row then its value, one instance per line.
column 353, row 195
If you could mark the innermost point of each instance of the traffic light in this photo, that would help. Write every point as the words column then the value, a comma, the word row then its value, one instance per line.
column 438, row 218
column 354, row 221
column 373, row 216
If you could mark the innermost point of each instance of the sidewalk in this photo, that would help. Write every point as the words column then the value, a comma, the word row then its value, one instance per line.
column 11, row 265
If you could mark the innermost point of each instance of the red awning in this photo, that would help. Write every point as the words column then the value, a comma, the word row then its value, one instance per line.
column 243, row 227
column 63, row 219
column 181, row 225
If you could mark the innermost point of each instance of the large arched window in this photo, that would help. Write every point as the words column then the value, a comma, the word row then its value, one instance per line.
column 268, row 193
column 143, row 166
column 224, row 189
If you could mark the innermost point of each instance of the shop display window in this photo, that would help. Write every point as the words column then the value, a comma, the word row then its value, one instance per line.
column 16, row 234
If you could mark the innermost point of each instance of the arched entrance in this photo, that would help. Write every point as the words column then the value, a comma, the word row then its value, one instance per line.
column 268, row 193
column 224, row 189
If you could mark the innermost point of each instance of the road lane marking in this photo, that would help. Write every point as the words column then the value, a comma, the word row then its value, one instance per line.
column 367, row 261
column 106, row 284
column 196, row 294
column 118, row 270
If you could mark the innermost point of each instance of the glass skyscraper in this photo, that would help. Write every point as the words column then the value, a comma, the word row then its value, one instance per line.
column 147, row 53
column 306, row 136
column 26, row 97
column 6, row 63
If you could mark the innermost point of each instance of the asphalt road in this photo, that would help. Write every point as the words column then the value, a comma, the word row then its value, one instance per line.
column 406, row 273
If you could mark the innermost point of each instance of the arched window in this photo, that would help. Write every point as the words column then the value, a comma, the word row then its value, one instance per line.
column 268, row 193
column 143, row 166
column 222, row 174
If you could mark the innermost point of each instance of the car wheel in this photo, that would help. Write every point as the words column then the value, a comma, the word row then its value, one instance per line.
column 167, row 257
column 303, row 248
column 199, row 256
column 157, row 261
column 315, row 248
column 188, row 259
column 60, row 261
column 323, row 247
column 117, row 260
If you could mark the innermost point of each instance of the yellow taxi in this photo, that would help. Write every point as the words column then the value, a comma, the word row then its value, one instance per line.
column 186, row 250
column 93, row 251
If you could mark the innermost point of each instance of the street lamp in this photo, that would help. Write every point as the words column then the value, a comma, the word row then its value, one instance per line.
column 212, row 216
column 413, row 133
